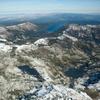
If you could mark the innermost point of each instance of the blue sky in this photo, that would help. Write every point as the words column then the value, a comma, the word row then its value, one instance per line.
column 48, row 6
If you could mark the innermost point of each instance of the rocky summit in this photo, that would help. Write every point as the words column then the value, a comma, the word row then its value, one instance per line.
column 62, row 67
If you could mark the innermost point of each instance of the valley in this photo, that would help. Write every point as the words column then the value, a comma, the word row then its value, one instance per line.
column 49, row 58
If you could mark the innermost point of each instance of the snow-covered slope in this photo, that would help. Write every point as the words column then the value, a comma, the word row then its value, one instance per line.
column 22, row 27
column 33, row 78
column 54, row 92
column 18, row 32
column 54, row 68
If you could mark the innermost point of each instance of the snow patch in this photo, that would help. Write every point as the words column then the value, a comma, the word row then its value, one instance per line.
column 5, row 48
column 2, row 29
column 70, row 37
column 43, row 41
column 50, row 91
column 64, row 36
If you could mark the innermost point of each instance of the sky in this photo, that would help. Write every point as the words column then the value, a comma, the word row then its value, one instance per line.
column 49, row 6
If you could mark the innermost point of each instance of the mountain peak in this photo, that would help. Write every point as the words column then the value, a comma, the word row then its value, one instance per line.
column 23, row 26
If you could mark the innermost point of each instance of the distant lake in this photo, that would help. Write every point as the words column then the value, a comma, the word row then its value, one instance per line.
column 54, row 27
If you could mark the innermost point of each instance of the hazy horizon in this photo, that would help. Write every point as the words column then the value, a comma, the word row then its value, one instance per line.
column 49, row 6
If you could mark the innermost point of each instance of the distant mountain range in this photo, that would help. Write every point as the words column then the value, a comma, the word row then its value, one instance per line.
column 50, row 18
